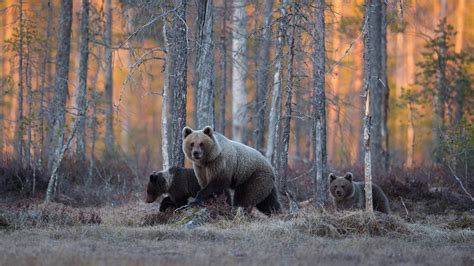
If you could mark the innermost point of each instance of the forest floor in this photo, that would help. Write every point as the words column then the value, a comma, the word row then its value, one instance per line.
column 136, row 234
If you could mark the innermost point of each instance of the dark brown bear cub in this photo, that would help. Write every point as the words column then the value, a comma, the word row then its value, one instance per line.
column 179, row 183
column 348, row 194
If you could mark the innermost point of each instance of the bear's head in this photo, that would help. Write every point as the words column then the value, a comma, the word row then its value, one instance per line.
column 157, row 186
column 199, row 145
column 341, row 186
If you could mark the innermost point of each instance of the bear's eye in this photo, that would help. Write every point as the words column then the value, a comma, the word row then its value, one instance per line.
column 192, row 144
column 201, row 144
column 342, row 186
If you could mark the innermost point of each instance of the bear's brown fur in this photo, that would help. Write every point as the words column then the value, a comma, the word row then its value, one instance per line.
column 348, row 194
column 179, row 183
column 220, row 164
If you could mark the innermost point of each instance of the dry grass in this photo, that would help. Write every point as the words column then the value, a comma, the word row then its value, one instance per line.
column 137, row 234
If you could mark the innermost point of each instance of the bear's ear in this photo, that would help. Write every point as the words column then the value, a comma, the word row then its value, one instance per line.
column 348, row 176
column 332, row 177
column 208, row 131
column 186, row 132
column 153, row 177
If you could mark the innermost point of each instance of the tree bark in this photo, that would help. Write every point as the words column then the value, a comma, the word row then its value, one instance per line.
column 263, row 64
column 58, row 106
column 239, row 71
column 385, row 160
column 285, row 140
column 335, row 148
column 275, row 111
column 410, row 80
column 45, row 81
column 81, row 100
column 369, row 207
column 205, row 65
column 374, row 79
column 459, row 25
column 223, row 63
column 175, row 31
column 19, row 119
column 109, row 116
column 319, row 107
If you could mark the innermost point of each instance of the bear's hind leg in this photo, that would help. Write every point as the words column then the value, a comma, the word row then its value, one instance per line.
column 270, row 204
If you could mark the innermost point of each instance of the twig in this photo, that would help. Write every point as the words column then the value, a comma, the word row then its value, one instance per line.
column 404, row 206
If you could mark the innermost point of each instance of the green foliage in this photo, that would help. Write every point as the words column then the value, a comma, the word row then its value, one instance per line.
column 459, row 81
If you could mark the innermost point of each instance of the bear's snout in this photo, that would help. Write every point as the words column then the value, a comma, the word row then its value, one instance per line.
column 197, row 155
column 339, row 193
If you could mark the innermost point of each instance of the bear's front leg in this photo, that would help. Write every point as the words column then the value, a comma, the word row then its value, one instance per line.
column 216, row 186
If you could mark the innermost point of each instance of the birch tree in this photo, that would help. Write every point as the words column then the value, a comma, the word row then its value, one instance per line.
column 239, row 71
column 319, row 106
column 109, row 126
column 205, row 65
column 264, row 43
column 81, row 99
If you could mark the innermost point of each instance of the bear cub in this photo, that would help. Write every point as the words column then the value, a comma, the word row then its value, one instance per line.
column 348, row 194
column 177, row 182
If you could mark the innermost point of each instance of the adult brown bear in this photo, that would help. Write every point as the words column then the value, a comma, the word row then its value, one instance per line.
column 220, row 164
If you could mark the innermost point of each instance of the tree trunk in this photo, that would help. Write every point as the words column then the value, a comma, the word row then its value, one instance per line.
column 29, row 86
column 45, row 82
column 263, row 64
column 461, row 9
column 81, row 100
column 239, row 71
column 385, row 92
column 285, row 140
column 58, row 107
column 19, row 119
column 109, row 116
column 369, row 207
column 319, row 107
column 440, row 96
column 335, row 148
column 275, row 111
column 223, row 58
column 205, row 65
column 175, row 32
column 410, row 80
column 373, row 78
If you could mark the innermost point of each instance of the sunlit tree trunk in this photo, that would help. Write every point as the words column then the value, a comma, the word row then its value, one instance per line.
column 109, row 116
column 384, row 91
column 239, row 71
column 45, row 80
column 19, row 118
column 410, row 80
column 334, row 139
column 58, row 106
column 29, row 121
column 275, row 111
column 205, row 65
column 81, row 98
column 319, row 107
column 263, row 66
column 460, row 11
